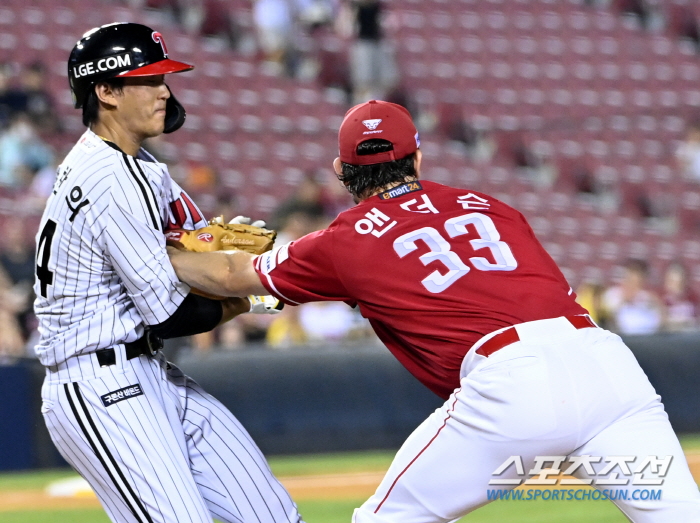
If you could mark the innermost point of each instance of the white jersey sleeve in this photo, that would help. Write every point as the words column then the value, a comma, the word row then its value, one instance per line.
column 135, row 245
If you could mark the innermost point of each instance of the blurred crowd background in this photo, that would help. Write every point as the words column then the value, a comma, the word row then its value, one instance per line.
column 582, row 114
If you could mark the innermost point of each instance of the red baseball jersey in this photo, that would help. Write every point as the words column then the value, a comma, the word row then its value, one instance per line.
column 433, row 268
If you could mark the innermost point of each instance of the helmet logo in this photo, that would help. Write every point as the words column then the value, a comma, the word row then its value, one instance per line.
column 158, row 38
column 102, row 65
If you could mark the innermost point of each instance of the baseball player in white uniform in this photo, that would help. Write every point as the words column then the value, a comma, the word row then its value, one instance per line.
column 153, row 445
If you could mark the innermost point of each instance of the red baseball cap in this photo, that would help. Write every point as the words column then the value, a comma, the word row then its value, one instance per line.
column 377, row 119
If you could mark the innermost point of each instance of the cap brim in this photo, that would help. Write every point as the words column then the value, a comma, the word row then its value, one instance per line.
column 163, row 67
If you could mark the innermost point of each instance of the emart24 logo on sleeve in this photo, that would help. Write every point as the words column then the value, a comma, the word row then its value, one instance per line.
column 571, row 478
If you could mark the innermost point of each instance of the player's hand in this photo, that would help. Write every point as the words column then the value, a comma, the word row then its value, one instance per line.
column 233, row 307
column 246, row 221
column 265, row 305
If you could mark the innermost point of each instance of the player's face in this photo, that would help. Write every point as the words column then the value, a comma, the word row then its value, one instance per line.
column 142, row 105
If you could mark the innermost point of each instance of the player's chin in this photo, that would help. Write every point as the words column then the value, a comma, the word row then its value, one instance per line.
column 157, row 126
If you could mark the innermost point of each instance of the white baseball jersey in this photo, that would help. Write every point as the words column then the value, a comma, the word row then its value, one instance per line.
column 153, row 445
column 102, row 269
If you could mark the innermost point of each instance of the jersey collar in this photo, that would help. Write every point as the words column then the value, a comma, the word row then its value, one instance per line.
column 142, row 155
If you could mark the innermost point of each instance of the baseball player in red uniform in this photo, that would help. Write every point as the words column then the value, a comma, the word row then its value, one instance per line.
column 456, row 285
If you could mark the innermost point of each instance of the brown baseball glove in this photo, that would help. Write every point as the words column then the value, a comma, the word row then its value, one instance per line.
column 219, row 236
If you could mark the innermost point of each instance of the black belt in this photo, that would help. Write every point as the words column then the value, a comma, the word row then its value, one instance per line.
column 148, row 344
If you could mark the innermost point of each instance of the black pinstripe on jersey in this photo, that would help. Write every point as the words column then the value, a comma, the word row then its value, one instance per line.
column 103, row 453
column 146, row 190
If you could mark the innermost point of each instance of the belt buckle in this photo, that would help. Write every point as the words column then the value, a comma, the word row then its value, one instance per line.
column 154, row 343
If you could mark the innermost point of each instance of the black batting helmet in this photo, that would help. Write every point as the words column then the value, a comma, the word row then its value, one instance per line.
column 123, row 50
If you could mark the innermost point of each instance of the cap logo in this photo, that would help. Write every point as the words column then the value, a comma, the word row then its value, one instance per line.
column 371, row 124
column 101, row 65
column 158, row 38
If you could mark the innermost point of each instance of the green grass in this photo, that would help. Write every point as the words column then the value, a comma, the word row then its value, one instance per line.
column 499, row 511
column 546, row 512
column 314, row 511
column 340, row 511
column 690, row 442
column 328, row 511
column 337, row 463
column 96, row 515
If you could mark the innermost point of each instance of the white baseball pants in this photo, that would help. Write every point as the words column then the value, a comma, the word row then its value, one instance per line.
column 156, row 448
column 556, row 392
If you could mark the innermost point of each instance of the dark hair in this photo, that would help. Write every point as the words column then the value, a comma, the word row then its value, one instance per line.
column 91, row 108
column 363, row 180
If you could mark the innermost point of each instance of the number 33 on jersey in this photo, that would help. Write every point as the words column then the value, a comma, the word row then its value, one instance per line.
column 439, row 247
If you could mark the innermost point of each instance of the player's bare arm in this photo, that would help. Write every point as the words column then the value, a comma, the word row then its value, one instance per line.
column 223, row 274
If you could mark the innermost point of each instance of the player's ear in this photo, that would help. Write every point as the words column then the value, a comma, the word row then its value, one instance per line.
column 337, row 167
column 417, row 162
column 106, row 94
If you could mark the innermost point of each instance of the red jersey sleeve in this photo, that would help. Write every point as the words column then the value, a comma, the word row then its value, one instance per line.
column 303, row 270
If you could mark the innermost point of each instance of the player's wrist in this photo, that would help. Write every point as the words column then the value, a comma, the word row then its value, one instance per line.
column 233, row 307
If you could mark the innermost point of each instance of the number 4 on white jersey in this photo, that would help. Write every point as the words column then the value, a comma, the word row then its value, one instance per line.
column 440, row 249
